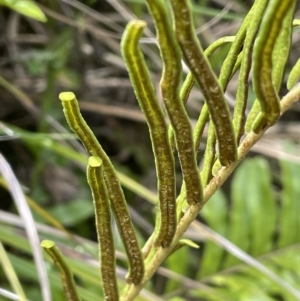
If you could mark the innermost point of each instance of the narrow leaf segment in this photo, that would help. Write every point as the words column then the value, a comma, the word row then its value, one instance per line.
column 272, row 23
column 279, row 59
column 170, row 83
column 64, row 270
column 209, row 158
column 256, row 14
column 103, row 228
column 203, row 117
column 294, row 75
column 230, row 62
column 115, row 192
column 282, row 48
column 187, row 87
column 164, row 160
column 206, row 80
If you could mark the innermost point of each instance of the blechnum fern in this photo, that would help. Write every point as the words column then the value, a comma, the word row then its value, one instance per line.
column 263, row 44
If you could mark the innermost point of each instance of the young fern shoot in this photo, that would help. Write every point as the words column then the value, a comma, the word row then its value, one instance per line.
column 206, row 79
column 103, row 228
column 294, row 75
column 65, row 272
column 258, row 44
column 239, row 117
column 263, row 66
column 164, row 160
column 170, row 83
column 229, row 64
column 115, row 192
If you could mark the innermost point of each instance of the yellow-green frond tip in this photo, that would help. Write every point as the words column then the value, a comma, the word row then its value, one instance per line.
column 66, row 96
column 95, row 161
column 47, row 244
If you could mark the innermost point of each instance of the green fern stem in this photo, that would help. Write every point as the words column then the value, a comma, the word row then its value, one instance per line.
column 210, row 154
column 103, row 228
column 192, row 212
column 267, row 95
column 282, row 48
column 202, row 119
column 65, row 272
column 294, row 75
column 164, row 160
column 170, row 83
column 239, row 117
column 206, row 79
column 279, row 59
column 115, row 192
column 187, row 87
column 235, row 49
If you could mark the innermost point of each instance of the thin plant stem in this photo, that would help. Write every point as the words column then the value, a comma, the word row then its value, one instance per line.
column 193, row 211
column 66, row 274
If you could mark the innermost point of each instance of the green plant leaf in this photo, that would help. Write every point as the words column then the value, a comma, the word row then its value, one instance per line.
column 253, row 206
column 238, row 216
column 25, row 7
column 253, row 224
column 215, row 215
column 289, row 220
column 261, row 206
